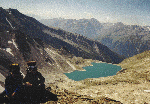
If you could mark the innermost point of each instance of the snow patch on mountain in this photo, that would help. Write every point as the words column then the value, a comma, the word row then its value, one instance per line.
column 14, row 43
column 9, row 23
column 9, row 50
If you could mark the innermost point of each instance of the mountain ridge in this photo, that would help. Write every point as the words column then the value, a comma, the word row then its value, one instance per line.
column 23, row 38
column 20, row 44
column 116, row 36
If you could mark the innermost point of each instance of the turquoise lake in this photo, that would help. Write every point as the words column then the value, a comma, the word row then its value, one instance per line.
column 95, row 71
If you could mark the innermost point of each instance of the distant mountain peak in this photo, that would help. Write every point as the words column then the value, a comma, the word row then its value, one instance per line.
column 110, row 34
column 93, row 19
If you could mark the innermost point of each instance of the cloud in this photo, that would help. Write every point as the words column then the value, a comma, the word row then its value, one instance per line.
column 88, row 15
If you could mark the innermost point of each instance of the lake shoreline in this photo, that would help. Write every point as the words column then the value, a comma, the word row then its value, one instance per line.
column 95, row 70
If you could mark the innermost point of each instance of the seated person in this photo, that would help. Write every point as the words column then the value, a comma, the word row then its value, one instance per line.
column 33, row 81
column 13, row 82
column 33, row 78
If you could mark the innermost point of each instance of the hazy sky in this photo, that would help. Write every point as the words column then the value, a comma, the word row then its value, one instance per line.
column 126, row 11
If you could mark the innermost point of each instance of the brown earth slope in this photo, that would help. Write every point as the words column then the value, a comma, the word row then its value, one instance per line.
column 131, row 85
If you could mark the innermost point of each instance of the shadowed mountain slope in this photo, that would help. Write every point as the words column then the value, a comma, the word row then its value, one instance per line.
column 23, row 38
column 127, row 40
column 13, row 22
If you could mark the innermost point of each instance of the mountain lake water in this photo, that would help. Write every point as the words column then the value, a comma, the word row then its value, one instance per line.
column 95, row 71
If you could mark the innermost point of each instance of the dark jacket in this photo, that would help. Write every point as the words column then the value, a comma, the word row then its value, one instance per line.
column 13, row 83
column 34, row 79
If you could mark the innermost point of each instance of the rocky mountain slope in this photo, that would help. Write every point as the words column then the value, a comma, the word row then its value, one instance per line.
column 75, row 44
column 86, row 27
column 23, row 38
column 130, row 85
column 127, row 40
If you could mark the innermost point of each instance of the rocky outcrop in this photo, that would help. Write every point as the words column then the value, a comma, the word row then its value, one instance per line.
column 65, row 96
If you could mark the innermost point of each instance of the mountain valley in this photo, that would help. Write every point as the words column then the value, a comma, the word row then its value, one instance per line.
column 126, row 40
column 57, row 51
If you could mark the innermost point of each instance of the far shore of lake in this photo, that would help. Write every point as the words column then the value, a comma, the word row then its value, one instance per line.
column 102, row 72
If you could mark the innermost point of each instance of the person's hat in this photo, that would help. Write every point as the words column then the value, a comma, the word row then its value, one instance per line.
column 14, row 68
column 31, row 63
